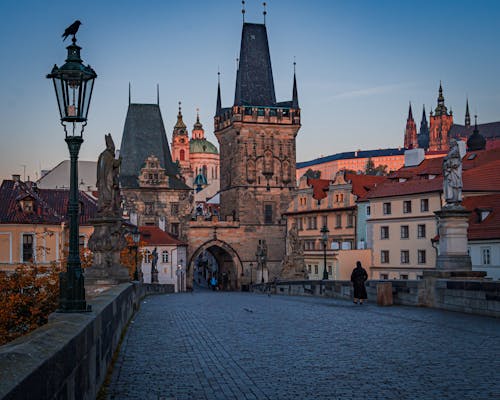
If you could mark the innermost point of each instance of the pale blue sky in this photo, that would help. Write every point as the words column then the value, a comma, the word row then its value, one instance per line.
column 359, row 63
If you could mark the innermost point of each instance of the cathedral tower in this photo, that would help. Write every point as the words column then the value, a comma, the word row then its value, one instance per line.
column 410, row 132
column 440, row 124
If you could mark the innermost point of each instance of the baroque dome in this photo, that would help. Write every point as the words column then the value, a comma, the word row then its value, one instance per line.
column 202, row 146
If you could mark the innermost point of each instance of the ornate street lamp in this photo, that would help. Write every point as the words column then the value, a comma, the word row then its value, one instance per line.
column 73, row 84
column 324, row 238
column 136, row 237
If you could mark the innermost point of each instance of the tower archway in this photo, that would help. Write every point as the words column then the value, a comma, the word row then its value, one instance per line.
column 216, row 258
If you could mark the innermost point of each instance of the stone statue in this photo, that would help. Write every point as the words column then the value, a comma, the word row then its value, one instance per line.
column 452, row 175
column 154, row 261
column 294, row 247
column 108, row 168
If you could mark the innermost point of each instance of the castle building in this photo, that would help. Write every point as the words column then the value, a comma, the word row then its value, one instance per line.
column 257, row 170
column 153, row 192
column 436, row 137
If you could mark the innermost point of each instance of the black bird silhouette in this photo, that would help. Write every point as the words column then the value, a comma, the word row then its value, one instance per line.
column 71, row 30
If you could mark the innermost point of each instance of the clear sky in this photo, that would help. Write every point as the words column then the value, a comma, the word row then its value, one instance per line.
column 359, row 63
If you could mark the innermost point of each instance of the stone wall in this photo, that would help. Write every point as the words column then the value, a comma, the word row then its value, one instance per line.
column 480, row 297
column 68, row 358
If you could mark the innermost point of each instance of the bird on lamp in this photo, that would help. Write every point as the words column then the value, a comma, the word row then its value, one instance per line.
column 71, row 30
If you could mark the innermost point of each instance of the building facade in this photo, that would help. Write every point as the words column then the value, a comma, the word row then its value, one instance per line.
column 153, row 191
column 33, row 224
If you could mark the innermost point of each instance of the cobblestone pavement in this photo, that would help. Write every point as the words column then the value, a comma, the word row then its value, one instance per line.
column 216, row 345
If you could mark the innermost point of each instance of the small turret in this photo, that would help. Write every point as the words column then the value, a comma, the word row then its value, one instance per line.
column 295, row 96
column 476, row 141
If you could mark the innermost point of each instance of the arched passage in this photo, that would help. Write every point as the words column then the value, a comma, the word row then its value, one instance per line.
column 222, row 261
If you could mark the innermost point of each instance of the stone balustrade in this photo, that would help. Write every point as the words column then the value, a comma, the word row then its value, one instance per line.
column 68, row 358
column 480, row 297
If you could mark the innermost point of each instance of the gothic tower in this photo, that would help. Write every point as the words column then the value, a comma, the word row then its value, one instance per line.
column 440, row 124
column 257, row 147
column 423, row 134
column 180, row 144
column 410, row 132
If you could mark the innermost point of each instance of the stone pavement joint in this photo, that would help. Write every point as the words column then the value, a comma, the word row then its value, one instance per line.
column 207, row 345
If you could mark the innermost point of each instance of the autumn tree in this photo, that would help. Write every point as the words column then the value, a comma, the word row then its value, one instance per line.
column 27, row 297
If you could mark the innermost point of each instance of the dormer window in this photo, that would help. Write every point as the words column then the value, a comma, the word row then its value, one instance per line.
column 27, row 206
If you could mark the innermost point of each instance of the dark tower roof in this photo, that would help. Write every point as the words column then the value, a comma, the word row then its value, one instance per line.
column 144, row 135
column 410, row 114
column 423, row 134
column 218, row 105
column 476, row 141
column 467, row 114
column 254, row 79
column 295, row 96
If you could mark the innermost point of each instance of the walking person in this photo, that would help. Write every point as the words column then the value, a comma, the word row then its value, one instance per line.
column 213, row 282
column 358, row 279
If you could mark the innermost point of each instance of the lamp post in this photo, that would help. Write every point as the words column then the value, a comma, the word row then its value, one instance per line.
column 136, row 237
column 324, row 238
column 73, row 84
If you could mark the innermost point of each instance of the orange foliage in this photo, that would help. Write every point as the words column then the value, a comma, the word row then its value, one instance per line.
column 128, row 256
column 27, row 297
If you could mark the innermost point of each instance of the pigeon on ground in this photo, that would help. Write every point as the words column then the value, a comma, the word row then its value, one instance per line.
column 71, row 30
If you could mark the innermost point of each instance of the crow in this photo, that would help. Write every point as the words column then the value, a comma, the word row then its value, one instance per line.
column 71, row 30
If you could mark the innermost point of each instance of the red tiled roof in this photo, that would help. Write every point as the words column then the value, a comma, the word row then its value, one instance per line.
column 320, row 187
column 50, row 205
column 154, row 236
column 490, row 227
column 481, row 173
column 362, row 184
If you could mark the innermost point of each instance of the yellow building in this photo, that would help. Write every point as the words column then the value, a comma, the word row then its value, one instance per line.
column 328, row 203
column 33, row 225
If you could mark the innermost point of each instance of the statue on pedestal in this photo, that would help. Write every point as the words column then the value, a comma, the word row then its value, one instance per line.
column 293, row 266
column 452, row 175
column 108, row 168
column 108, row 238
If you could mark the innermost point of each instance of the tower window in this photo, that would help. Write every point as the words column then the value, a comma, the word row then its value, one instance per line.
column 268, row 213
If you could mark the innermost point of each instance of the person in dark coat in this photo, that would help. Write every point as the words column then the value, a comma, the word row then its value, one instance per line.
column 358, row 279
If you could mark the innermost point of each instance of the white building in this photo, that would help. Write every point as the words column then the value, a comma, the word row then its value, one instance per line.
column 172, row 253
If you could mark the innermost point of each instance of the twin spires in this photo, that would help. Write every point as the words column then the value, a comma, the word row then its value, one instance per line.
column 254, row 76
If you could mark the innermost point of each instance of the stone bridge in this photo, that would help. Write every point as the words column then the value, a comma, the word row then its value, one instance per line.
column 263, row 345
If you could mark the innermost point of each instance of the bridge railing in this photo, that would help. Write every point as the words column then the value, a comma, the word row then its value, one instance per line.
column 68, row 358
column 472, row 296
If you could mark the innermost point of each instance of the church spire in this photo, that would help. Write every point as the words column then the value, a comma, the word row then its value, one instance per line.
column 410, row 113
column 218, row 105
column 467, row 114
column 410, row 131
column 295, row 96
column 441, row 108
column 423, row 134
column 476, row 141
column 180, row 125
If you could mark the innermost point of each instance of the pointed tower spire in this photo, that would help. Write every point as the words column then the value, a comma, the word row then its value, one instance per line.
column 254, row 79
column 410, row 113
column 295, row 96
column 441, row 108
column 158, row 94
column 243, row 9
column 423, row 134
column 129, row 96
column 218, row 105
column 410, row 141
column 180, row 125
column 467, row 113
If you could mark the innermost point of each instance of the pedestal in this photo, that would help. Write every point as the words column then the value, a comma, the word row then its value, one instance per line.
column 453, row 222
column 106, row 243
